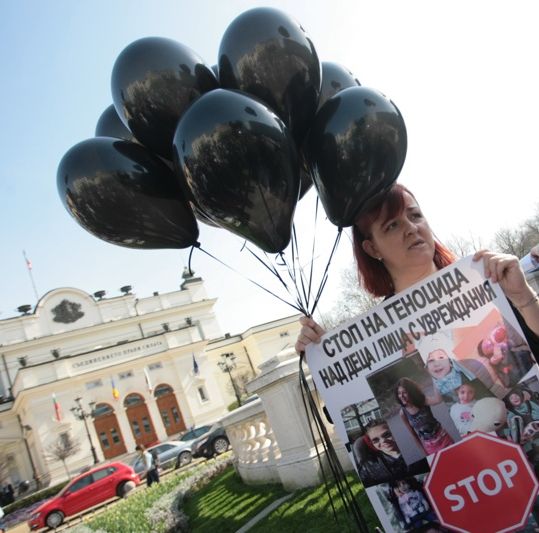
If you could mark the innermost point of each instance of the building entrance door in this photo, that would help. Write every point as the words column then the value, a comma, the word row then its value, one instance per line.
column 108, row 431
column 139, row 420
column 169, row 410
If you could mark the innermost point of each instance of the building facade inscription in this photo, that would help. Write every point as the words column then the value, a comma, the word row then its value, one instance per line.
column 146, row 348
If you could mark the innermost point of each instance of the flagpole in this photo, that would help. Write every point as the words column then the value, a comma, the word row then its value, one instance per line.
column 29, row 267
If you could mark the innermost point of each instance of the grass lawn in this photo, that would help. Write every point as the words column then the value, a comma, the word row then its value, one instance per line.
column 226, row 504
column 310, row 511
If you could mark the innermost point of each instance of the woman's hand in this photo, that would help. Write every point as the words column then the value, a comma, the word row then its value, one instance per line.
column 505, row 269
column 310, row 332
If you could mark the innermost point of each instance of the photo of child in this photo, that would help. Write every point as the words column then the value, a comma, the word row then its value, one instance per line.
column 417, row 415
column 412, row 407
column 507, row 354
column 407, row 506
column 411, row 503
column 461, row 412
column 501, row 349
column 523, row 420
column 447, row 372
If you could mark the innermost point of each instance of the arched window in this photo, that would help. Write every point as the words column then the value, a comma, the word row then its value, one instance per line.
column 102, row 409
column 161, row 390
column 133, row 399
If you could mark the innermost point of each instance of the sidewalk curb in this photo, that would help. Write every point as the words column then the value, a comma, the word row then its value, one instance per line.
column 265, row 512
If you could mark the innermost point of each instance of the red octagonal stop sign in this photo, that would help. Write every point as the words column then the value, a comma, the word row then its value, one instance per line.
column 482, row 484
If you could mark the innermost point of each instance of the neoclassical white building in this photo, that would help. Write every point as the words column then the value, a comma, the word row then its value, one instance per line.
column 145, row 368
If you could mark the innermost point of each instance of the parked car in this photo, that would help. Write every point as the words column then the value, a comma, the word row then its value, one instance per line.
column 215, row 442
column 194, row 434
column 86, row 490
column 193, row 437
column 172, row 453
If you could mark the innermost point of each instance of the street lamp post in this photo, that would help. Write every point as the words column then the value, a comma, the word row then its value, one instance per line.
column 227, row 364
column 25, row 429
column 81, row 414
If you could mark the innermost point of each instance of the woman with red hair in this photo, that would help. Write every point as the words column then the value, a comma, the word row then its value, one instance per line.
column 395, row 248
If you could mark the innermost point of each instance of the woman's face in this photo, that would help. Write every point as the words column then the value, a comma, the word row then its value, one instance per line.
column 402, row 395
column 381, row 438
column 515, row 399
column 438, row 364
column 404, row 241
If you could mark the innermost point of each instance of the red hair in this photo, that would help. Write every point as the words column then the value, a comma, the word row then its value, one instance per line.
column 372, row 273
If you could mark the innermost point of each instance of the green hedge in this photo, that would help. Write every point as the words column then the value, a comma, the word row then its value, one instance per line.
column 42, row 494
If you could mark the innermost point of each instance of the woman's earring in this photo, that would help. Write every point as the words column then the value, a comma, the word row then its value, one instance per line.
column 381, row 259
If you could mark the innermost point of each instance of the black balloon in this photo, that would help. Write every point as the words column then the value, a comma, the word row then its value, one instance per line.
column 154, row 80
column 122, row 193
column 110, row 125
column 264, row 52
column 356, row 149
column 335, row 78
column 306, row 181
column 241, row 166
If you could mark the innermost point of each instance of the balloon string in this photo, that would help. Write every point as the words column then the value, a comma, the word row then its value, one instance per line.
column 270, row 267
column 295, row 252
column 306, row 391
column 299, row 309
column 342, row 484
column 313, row 248
column 325, row 275
column 274, row 271
column 196, row 245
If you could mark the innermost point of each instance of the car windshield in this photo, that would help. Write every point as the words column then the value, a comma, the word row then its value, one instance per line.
column 194, row 433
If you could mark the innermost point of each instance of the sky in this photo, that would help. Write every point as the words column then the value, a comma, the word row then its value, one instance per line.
column 463, row 74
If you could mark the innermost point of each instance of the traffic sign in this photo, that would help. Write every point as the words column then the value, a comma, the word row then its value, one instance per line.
column 482, row 484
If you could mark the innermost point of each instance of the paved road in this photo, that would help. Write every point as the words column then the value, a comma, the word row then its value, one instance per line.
column 19, row 528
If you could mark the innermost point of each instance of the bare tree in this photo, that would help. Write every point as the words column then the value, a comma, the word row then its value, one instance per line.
column 462, row 246
column 519, row 241
column 63, row 447
column 241, row 378
column 352, row 300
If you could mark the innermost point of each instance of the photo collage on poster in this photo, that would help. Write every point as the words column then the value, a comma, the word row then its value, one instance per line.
column 444, row 386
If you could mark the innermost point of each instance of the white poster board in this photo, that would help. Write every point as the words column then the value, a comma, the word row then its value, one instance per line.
column 453, row 337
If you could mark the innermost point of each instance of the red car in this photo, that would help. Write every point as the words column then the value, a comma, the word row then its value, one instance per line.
column 84, row 491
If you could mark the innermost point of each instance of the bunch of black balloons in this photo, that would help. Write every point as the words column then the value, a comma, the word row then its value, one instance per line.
column 234, row 145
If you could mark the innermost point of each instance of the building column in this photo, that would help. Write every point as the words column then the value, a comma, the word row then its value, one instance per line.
column 157, row 421
column 125, row 428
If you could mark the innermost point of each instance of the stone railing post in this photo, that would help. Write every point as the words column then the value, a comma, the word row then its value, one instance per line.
column 279, row 389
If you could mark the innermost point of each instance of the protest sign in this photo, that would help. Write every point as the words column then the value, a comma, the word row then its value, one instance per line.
column 530, row 262
column 416, row 374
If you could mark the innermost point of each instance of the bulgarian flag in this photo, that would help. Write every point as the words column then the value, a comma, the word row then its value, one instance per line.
column 57, row 408
column 115, row 391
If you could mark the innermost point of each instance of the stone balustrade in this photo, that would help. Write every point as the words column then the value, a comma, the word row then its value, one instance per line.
column 272, row 437
column 253, row 442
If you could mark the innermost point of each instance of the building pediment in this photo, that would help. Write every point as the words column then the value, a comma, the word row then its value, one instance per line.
column 66, row 308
